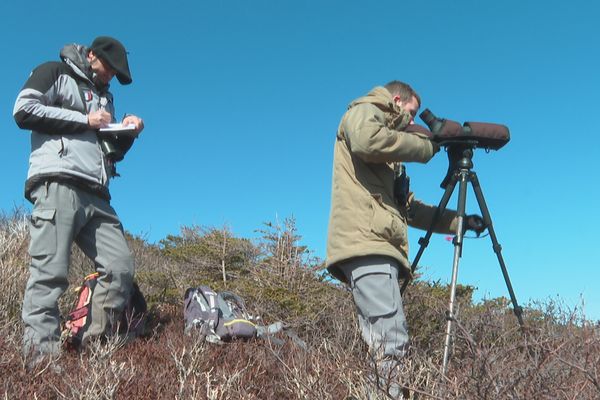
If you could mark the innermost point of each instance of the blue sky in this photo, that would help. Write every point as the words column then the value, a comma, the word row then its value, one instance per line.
column 241, row 101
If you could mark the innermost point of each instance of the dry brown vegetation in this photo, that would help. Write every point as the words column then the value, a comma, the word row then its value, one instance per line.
column 558, row 357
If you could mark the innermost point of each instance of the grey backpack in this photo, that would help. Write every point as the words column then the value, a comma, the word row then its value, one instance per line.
column 217, row 316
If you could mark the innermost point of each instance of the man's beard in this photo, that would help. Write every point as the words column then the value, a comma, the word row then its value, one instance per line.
column 100, row 85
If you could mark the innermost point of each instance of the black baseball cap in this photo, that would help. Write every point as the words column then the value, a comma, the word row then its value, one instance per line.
column 111, row 51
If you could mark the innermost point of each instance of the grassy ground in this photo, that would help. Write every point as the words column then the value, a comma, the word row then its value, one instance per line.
column 558, row 357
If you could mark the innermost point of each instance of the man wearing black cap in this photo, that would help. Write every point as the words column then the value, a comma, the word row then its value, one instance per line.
column 64, row 104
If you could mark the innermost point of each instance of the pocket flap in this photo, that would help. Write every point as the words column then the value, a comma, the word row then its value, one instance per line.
column 373, row 290
column 384, row 269
column 43, row 214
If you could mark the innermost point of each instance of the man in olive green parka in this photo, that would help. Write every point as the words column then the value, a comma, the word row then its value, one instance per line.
column 367, row 245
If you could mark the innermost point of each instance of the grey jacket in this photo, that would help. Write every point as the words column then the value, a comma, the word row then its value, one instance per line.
column 53, row 104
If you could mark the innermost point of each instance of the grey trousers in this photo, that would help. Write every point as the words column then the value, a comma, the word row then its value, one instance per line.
column 376, row 293
column 63, row 214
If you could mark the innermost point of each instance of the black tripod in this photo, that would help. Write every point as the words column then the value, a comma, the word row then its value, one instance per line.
column 460, row 170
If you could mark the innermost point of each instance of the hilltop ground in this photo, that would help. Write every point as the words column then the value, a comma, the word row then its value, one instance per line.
column 558, row 357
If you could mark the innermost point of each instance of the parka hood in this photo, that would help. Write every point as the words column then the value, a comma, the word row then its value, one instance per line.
column 379, row 97
column 396, row 117
column 75, row 55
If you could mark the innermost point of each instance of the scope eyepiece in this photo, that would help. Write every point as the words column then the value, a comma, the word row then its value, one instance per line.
column 433, row 123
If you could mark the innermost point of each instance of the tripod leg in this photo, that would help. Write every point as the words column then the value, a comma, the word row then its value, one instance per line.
column 496, row 246
column 424, row 241
column 458, row 242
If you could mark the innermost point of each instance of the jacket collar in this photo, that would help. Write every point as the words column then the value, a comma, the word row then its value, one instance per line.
column 75, row 56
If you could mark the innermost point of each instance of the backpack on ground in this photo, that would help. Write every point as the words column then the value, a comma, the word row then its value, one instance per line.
column 77, row 321
column 217, row 316
column 222, row 317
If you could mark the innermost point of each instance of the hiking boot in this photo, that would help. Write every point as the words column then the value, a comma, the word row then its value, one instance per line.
column 109, row 343
column 41, row 362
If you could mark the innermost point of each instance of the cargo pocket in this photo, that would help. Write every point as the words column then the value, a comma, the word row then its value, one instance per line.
column 372, row 289
column 43, row 233
column 387, row 225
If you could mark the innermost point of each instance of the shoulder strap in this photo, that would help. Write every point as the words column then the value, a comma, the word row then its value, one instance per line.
column 210, row 298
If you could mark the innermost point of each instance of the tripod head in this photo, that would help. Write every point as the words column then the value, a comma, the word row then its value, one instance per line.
column 460, row 156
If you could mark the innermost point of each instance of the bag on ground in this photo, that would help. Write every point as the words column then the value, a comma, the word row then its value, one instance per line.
column 78, row 320
column 218, row 316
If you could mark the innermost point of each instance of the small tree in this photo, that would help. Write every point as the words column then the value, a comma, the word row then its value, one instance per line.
column 213, row 249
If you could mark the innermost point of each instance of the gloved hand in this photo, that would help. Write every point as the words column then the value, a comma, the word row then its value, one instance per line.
column 475, row 223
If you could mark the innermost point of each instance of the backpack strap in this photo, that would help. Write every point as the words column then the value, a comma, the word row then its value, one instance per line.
column 268, row 332
column 210, row 296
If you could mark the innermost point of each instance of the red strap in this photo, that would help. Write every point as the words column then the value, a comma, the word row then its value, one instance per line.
column 78, row 313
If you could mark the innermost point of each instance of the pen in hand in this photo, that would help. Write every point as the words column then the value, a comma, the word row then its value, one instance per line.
column 100, row 118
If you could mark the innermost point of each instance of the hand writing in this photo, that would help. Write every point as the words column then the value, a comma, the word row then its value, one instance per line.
column 99, row 119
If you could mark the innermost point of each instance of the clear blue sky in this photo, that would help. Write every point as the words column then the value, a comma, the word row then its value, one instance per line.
column 241, row 100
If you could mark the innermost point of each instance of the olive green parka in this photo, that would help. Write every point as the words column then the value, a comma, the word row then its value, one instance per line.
column 365, row 218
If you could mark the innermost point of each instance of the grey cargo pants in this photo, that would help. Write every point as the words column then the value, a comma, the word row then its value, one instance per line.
column 376, row 293
column 64, row 214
